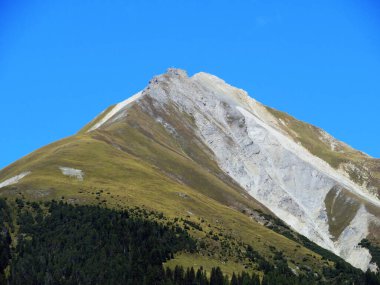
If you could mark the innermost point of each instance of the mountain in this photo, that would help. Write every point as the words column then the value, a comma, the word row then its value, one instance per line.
column 199, row 149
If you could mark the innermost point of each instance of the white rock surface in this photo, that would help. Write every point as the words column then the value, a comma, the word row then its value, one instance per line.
column 72, row 172
column 353, row 235
column 14, row 179
column 115, row 110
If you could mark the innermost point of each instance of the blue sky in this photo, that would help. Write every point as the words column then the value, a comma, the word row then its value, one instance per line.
column 62, row 62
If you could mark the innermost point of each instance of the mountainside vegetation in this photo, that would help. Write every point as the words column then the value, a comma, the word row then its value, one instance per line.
column 58, row 243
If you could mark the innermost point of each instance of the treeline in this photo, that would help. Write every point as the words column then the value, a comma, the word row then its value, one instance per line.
column 5, row 239
column 181, row 276
column 58, row 243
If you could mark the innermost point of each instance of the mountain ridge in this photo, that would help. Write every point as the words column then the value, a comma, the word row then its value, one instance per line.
column 236, row 142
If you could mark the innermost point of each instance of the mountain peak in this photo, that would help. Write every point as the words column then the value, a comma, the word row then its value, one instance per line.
column 176, row 82
column 177, row 72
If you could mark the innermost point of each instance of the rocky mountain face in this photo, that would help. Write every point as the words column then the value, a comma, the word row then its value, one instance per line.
column 235, row 151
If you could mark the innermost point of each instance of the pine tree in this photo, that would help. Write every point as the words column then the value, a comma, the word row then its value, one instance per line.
column 234, row 280
column 255, row 279
column 217, row 277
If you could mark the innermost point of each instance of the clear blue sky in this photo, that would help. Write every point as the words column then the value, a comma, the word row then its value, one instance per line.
column 62, row 62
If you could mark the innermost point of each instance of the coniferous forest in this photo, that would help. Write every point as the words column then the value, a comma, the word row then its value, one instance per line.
column 58, row 243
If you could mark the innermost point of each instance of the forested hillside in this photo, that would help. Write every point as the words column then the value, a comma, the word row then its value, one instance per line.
column 58, row 243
